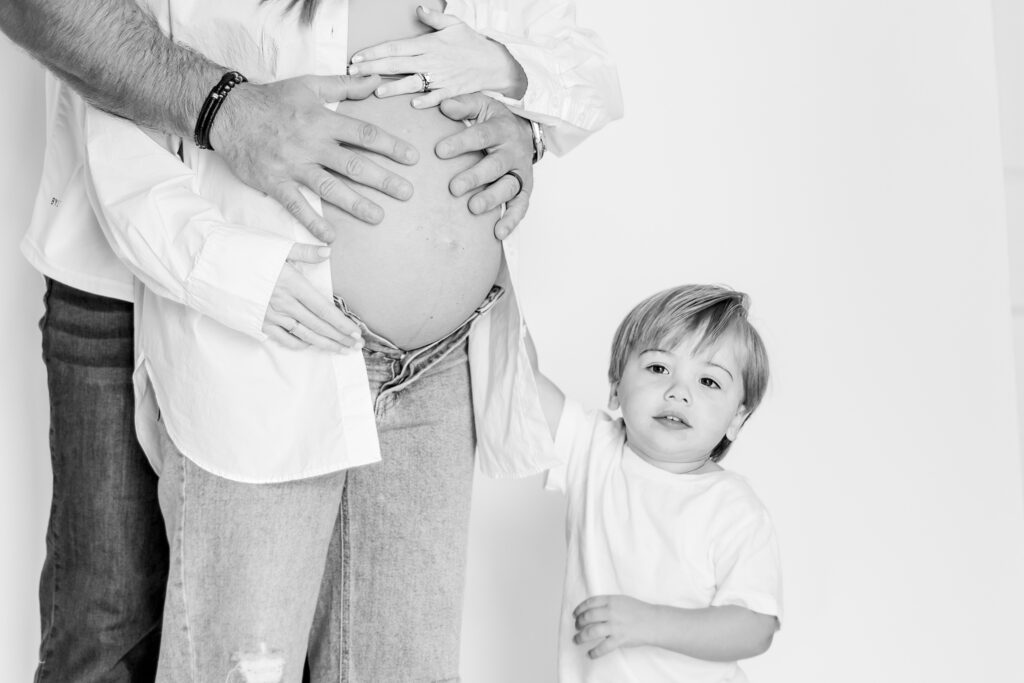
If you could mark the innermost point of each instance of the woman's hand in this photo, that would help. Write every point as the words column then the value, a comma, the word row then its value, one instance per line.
column 508, row 141
column 299, row 316
column 456, row 59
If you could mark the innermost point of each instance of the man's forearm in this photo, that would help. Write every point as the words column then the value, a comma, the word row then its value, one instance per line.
column 115, row 55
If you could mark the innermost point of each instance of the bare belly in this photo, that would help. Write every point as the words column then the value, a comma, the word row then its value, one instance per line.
column 423, row 270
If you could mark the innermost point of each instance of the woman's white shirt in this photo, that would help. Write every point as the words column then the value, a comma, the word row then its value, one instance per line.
column 207, row 250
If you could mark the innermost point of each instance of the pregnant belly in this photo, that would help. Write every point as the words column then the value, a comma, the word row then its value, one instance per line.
column 421, row 272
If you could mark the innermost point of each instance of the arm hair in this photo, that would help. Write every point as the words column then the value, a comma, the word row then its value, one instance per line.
column 115, row 55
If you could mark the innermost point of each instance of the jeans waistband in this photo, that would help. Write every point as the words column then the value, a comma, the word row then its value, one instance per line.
column 378, row 343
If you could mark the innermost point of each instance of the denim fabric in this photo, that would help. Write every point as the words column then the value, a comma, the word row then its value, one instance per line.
column 102, row 587
column 246, row 563
column 248, row 560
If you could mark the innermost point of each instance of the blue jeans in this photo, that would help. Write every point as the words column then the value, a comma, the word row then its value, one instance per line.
column 101, row 592
column 381, row 547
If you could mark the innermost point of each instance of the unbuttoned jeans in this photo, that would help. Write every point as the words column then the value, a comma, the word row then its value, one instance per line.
column 102, row 587
column 248, row 560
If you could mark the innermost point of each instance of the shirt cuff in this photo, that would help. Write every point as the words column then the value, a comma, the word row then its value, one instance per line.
column 234, row 277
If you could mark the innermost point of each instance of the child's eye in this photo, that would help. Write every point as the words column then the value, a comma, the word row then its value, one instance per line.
column 708, row 382
column 658, row 369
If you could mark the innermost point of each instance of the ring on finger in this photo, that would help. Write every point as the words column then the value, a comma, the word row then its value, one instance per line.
column 519, row 179
column 291, row 329
column 425, row 81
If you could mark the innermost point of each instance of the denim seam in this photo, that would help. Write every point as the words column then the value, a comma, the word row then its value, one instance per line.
column 46, row 641
column 346, row 574
column 181, row 545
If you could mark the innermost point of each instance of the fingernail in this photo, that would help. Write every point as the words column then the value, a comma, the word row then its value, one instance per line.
column 459, row 188
column 425, row 10
column 502, row 233
column 353, row 70
column 411, row 155
column 382, row 91
column 417, row 102
column 477, row 206
column 323, row 252
column 442, row 149
column 356, row 59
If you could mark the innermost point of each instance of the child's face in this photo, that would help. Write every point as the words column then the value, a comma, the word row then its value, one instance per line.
column 678, row 403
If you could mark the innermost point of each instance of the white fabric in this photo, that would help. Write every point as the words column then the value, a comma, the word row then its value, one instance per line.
column 573, row 90
column 207, row 251
column 633, row 529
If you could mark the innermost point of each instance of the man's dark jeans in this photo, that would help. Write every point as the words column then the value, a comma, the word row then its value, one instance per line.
column 101, row 592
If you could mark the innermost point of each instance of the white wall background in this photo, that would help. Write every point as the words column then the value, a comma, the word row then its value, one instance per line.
column 839, row 161
column 24, row 411
column 1009, row 38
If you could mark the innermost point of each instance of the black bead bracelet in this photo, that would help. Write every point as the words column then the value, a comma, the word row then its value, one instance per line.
column 212, row 105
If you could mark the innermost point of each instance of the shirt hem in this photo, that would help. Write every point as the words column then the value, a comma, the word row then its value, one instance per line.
column 114, row 289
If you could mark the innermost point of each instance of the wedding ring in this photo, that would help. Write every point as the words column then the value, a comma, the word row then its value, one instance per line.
column 519, row 179
column 425, row 79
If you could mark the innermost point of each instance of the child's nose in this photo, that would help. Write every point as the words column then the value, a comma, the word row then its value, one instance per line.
column 678, row 392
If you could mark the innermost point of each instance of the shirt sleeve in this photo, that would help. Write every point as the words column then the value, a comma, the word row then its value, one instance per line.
column 747, row 567
column 573, row 441
column 175, row 241
column 572, row 85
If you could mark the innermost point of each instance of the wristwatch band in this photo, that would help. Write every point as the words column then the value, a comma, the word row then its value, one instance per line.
column 538, row 141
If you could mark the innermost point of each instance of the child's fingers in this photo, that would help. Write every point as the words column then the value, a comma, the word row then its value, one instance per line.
column 594, row 615
column 592, row 601
column 604, row 647
column 592, row 632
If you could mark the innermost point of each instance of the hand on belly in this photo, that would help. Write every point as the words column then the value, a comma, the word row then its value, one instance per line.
column 420, row 272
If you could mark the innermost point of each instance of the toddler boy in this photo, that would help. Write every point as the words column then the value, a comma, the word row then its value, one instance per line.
column 673, row 568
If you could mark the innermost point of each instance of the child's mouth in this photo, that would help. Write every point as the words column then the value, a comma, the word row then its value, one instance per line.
column 670, row 421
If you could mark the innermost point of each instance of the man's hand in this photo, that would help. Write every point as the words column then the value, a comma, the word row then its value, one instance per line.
column 508, row 141
column 299, row 316
column 279, row 136
column 613, row 620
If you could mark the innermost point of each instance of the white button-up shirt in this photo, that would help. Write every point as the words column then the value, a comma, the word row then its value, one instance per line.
column 207, row 250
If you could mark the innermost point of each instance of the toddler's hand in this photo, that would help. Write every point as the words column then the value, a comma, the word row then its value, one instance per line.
column 614, row 620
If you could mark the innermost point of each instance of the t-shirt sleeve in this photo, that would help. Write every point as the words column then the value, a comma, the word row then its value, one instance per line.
column 573, row 440
column 747, row 566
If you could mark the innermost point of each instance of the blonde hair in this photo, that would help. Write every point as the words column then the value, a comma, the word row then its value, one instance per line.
column 707, row 311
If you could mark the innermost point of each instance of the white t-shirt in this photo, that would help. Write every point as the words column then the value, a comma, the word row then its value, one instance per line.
column 685, row 540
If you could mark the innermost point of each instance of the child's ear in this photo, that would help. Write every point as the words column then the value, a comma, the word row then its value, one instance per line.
column 613, row 396
column 737, row 422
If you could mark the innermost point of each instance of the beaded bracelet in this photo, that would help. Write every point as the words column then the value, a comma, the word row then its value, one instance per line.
column 212, row 105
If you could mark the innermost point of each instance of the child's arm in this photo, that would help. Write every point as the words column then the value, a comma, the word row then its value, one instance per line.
column 719, row 634
column 551, row 397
